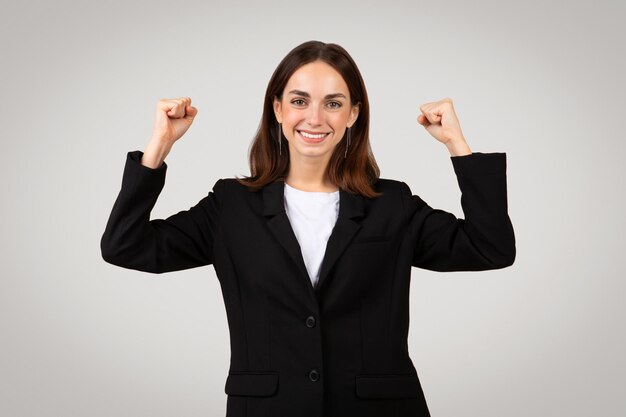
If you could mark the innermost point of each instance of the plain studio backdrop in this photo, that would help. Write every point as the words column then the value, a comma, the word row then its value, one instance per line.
column 541, row 81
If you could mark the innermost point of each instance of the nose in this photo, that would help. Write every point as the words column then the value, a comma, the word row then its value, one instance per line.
column 314, row 116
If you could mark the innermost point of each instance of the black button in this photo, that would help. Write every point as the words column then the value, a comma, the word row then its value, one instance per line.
column 310, row 321
column 314, row 375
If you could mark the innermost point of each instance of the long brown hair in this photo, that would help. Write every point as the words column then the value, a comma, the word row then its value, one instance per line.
column 355, row 173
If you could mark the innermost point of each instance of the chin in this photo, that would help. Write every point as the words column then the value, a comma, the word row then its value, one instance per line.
column 310, row 152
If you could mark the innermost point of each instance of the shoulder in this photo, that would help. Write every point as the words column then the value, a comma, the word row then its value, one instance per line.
column 398, row 192
column 232, row 187
column 228, row 182
column 232, row 184
column 391, row 187
column 388, row 184
column 392, row 191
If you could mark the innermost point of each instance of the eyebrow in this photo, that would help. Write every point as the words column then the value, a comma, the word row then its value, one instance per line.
column 305, row 94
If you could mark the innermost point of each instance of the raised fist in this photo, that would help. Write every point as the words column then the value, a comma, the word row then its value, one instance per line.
column 173, row 118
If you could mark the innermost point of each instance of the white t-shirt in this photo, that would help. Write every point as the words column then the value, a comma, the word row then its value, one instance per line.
column 312, row 215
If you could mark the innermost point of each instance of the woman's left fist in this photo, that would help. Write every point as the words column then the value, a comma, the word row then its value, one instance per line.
column 440, row 120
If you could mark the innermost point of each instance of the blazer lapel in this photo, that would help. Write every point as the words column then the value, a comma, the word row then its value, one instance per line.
column 350, row 207
column 278, row 223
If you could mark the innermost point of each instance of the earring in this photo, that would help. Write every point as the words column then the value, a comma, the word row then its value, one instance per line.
column 346, row 153
column 279, row 139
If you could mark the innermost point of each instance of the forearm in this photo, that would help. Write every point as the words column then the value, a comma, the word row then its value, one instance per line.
column 155, row 153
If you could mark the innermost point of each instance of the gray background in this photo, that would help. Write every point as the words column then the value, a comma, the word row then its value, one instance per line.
column 541, row 81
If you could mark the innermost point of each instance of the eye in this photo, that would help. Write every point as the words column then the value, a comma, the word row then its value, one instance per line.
column 334, row 104
column 298, row 102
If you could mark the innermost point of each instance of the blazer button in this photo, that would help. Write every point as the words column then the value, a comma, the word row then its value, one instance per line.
column 314, row 375
column 310, row 321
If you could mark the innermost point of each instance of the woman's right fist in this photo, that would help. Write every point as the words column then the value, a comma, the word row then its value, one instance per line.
column 173, row 118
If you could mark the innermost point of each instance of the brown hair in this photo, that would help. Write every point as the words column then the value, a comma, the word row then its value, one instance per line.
column 358, row 171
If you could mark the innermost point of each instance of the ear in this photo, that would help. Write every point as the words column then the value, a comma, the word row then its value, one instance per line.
column 354, row 114
column 278, row 109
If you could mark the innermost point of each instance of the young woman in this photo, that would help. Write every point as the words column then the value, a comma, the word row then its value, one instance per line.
column 313, row 251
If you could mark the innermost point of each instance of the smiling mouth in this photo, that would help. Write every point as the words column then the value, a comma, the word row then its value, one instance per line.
column 313, row 136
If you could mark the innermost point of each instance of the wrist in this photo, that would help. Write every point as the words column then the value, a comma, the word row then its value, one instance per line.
column 458, row 148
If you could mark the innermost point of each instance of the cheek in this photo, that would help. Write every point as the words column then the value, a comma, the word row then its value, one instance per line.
column 292, row 116
column 291, row 119
column 338, row 121
column 340, row 117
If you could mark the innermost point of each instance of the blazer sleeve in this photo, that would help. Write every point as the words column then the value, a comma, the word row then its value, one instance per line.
column 484, row 239
column 182, row 241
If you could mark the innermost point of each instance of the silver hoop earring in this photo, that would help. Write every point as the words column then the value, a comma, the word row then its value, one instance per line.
column 345, row 155
column 279, row 139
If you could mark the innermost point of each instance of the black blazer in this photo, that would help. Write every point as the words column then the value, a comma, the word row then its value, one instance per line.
column 339, row 349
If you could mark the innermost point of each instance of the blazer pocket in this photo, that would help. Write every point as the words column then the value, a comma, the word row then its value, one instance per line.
column 252, row 384
column 388, row 386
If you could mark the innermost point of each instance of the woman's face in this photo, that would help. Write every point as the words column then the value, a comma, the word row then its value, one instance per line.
column 315, row 111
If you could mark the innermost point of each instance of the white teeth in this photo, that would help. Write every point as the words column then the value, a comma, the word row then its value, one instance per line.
column 308, row 135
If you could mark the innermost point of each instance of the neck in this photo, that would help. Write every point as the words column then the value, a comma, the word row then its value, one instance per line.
column 309, row 174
